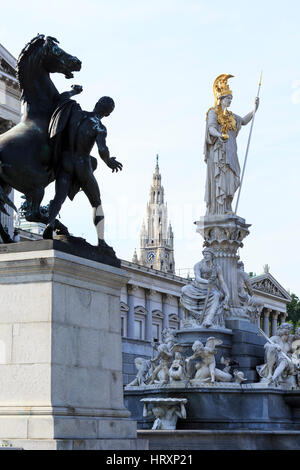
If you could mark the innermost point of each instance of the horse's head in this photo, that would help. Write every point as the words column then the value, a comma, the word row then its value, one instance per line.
column 57, row 60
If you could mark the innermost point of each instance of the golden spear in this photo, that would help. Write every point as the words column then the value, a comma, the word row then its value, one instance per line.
column 248, row 145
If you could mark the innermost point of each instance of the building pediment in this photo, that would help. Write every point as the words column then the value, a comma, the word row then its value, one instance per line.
column 124, row 307
column 174, row 317
column 140, row 309
column 157, row 314
column 267, row 283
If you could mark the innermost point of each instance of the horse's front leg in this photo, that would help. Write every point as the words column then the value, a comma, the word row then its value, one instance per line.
column 33, row 212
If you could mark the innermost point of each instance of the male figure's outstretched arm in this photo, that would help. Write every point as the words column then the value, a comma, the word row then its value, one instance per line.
column 103, row 150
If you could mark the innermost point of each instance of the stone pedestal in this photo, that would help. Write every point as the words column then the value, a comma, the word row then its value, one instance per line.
column 227, row 406
column 224, row 235
column 60, row 353
column 186, row 338
column 247, row 347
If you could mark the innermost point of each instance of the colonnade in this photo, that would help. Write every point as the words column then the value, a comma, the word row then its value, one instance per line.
column 270, row 319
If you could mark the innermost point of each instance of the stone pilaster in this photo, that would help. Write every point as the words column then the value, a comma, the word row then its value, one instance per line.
column 149, row 294
column 165, row 311
column 131, row 289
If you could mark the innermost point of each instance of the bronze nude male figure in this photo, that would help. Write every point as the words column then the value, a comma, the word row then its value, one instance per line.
column 73, row 133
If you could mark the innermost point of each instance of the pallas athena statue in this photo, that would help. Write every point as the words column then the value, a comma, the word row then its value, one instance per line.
column 220, row 149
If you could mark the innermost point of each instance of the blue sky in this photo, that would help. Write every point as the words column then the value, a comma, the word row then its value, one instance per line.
column 158, row 61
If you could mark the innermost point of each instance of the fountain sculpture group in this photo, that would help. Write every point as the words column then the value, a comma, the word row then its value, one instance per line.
column 219, row 360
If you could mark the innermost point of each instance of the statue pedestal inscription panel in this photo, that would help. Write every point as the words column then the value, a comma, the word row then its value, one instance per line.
column 60, row 353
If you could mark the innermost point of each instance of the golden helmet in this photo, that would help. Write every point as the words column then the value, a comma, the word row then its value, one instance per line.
column 221, row 87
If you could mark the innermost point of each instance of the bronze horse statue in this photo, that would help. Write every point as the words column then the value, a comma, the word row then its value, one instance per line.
column 25, row 154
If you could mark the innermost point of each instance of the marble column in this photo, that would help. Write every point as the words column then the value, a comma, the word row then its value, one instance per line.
column 259, row 320
column 282, row 317
column 149, row 294
column 130, row 315
column 164, row 309
column 266, row 327
column 274, row 322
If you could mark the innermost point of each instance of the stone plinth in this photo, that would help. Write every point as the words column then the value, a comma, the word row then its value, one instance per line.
column 60, row 353
column 222, row 440
column 223, row 406
column 224, row 234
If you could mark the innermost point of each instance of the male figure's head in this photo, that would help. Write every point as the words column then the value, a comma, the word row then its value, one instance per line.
column 284, row 330
column 104, row 107
column 208, row 254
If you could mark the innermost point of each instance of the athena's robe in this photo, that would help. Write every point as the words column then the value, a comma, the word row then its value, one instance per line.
column 223, row 169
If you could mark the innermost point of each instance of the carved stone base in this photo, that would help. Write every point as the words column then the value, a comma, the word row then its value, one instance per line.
column 187, row 337
column 224, row 234
column 225, row 406
column 238, row 312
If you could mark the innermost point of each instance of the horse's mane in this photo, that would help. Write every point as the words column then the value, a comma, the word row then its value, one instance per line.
column 26, row 53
